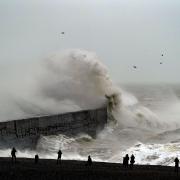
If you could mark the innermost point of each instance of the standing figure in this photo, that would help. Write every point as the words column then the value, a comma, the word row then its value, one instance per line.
column 176, row 165
column 59, row 156
column 126, row 161
column 13, row 154
column 36, row 159
column 89, row 162
column 132, row 161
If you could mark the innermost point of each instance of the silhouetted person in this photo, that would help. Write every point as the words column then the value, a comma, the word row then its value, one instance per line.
column 126, row 163
column 132, row 161
column 13, row 154
column 176, row 165
column 59, row 156
column 36, row 158
column 89, row 162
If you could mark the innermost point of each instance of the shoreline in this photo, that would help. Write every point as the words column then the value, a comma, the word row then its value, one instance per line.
column 47, row 169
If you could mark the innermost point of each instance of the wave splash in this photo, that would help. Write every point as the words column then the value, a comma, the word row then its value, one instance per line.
column 75, row 80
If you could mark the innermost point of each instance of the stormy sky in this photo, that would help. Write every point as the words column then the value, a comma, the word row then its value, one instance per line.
column 123, row 33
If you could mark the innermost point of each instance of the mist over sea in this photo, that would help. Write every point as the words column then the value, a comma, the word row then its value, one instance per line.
column 163, row 100
column 146, row 118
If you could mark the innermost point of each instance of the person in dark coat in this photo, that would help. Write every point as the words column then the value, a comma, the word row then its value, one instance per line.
column 59, row 156
column 89, row 161
column 176, row 165
column 132, row 161
column 13, row 154
column 36, row 159
column 126, row 161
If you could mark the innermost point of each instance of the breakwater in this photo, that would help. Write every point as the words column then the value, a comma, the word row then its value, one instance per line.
column 88, row 121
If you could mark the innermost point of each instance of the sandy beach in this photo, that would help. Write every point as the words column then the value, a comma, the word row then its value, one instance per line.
column 46, row 169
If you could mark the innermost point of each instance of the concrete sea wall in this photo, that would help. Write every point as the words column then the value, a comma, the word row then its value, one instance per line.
column 89, row 121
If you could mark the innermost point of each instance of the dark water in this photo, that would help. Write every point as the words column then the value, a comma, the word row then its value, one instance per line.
column 148, row 125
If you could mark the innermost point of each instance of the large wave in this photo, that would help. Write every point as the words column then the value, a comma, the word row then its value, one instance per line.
column 70, row 80
column 74, row 80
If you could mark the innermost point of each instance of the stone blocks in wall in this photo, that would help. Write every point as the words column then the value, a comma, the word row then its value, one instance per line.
column 89, row 122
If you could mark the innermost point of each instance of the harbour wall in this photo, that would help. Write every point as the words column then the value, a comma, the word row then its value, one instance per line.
column 88, row 121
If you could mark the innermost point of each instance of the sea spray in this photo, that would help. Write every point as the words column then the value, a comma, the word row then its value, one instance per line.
column 77, row 76
column 76, row 79
column 66, row 81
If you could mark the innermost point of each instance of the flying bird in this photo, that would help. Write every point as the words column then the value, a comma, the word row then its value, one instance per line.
column 63, row 32
column 160, row 62
column 162, row 54
column 135, row 67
